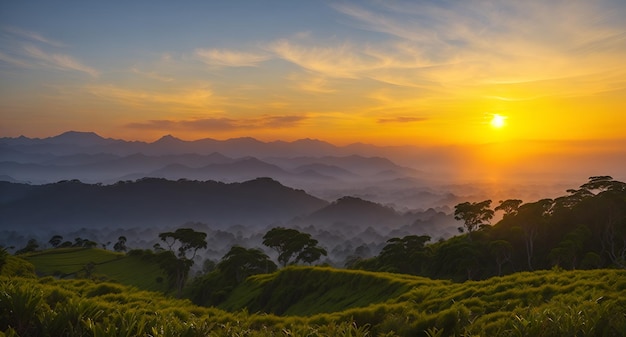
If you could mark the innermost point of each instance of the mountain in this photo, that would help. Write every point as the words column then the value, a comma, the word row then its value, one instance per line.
column 352, row 215
column 85, row 139
column 150, row 203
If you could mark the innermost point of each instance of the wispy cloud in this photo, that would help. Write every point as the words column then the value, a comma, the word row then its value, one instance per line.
column 220, row 124
column 59, row 61
column 152, row 75
column 230, row 58
column 196, row 98
column 314, row 83
column 34, row 36
column 14, row 61
column 343, row 60
column 470, row 41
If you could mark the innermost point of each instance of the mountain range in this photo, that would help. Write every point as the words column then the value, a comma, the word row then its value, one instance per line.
column 322, row 169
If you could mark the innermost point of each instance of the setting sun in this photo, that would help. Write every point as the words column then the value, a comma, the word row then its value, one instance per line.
column 498, row 121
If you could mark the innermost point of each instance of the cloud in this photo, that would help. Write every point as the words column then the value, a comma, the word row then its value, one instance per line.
column 229, row 58
column 152, row 75
column 402, row 120
column 221, row 124
column 59, row 61
column 470, row 41
column 311, row 83
column 14, row 61
column 33, row 36
column 195, row 97
column 339, row 61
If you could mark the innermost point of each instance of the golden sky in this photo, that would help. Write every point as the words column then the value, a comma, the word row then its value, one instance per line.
column 427, row 73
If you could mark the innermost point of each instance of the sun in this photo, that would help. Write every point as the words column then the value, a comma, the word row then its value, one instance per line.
column 498, row 121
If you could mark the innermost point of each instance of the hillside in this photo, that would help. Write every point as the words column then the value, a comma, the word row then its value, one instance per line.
column 151, row 202
column 107, row 265
column 547, row 303
column 305, row 291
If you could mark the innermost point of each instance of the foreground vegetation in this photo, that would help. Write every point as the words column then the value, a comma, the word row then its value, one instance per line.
column 543, row 303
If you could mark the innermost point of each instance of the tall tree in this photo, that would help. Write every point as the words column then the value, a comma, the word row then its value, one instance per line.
column 530, row 218
column 177, row 266
column 293, row 244
column 239, row 263
column 501, row 250
column 120, row 245
column 55, row 241
column 404, row 255
column 31, row 246
column 509, row 206
column 473, row 214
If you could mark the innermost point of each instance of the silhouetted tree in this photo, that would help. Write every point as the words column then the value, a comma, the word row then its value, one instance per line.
column 177, row 266
column 239, row 263
column 530, row 217
column 55, row 241
column 474, row 215
column 290, row 243
column 120, row 245
column 509, row 207
column 501, row 250
column 31, row 246
column 404, row 255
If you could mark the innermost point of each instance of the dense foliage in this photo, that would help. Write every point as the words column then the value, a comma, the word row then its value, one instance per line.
column 584, row 229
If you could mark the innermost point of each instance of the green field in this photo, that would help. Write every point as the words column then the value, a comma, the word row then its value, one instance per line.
column 107, row 265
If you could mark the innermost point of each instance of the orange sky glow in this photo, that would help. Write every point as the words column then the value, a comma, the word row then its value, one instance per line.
column 428, row 74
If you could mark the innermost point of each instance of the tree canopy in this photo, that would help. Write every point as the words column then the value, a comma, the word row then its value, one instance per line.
column 291, row 244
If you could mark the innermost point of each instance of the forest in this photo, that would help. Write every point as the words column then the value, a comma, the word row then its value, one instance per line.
column 548, row 268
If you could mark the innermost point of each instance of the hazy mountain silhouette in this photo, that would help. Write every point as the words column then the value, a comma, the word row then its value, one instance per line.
column 352, row 215
column 152, row 202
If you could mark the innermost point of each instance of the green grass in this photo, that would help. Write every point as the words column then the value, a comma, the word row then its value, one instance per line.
column 328, row 302
column 70, row 262
column 305, row 291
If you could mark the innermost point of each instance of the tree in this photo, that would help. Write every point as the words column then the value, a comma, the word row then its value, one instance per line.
column 3, row 257
column 120, row 245
column 474, row 215
column 239, row 263
column 290, row 243
column 530, row 217
column 404, row 255
column 55, row 241
column 177, row 266
column 501, row 250
column 31, row 246
column 509, row 206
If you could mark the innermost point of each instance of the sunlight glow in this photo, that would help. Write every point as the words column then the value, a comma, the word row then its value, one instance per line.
column 498, row 121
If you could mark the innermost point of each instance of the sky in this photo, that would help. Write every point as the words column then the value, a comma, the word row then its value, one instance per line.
column 510, row 77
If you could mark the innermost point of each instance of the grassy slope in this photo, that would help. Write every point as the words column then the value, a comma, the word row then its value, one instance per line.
column 130, row 270
column 352, row 294
column 543, row 303
column 307, row 291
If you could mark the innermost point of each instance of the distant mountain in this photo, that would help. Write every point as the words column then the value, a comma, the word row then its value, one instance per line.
column 237, row 170
column 151, row 202
column 88, row 157
column 84, row 139
column 356, row 164
column 353, row 215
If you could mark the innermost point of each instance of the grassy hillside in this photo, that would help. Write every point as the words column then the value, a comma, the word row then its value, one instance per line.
column 107, row 265
column 305, row 291
column 546, row 303
column 542, row 303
